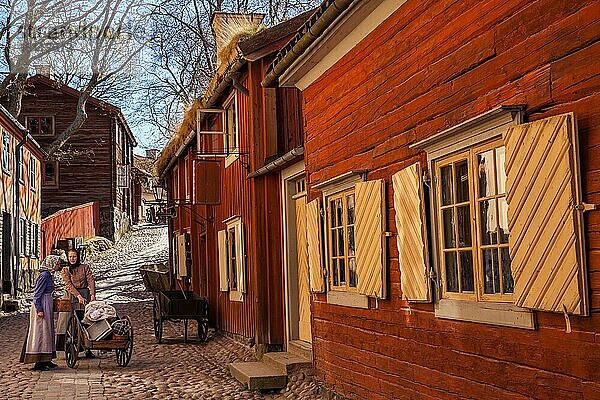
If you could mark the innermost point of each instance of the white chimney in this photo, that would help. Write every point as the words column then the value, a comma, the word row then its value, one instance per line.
column 43, row 69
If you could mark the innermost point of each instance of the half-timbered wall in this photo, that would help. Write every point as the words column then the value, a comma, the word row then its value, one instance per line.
column 430, row 66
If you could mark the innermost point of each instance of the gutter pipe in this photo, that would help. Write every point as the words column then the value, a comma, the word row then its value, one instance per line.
column 314, row 31
column 275, row 164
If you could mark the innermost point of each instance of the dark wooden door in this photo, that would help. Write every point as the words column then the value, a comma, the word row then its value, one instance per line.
column 6, row 235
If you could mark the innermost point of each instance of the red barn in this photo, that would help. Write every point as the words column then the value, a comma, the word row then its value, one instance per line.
column 451, row 148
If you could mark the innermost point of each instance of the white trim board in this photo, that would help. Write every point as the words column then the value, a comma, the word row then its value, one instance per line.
column 344, row 34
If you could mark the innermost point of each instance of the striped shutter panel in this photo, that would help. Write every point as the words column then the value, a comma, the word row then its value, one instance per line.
column 412, row 236
column 38, row 240
column 546, row 226
column 313, row 237
column 181, row 256
column 369, row 228
column 223, row 272
column 240, row 257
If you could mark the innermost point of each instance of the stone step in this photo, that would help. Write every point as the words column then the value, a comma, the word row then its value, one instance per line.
column 258, row 375
column 286, row 362
column 300, row 348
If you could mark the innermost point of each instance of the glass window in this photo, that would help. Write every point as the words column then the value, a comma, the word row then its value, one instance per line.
column 32, row 173
column 5, row 151
column 473, row 225
column 342, row 248
column 51, row 175
column 231, row 130
column 40, row 125
column 232, row 258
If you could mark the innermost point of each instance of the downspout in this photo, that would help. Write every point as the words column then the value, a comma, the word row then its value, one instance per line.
column 17, row 208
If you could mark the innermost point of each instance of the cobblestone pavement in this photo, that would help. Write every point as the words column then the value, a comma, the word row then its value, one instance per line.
column 172, row 370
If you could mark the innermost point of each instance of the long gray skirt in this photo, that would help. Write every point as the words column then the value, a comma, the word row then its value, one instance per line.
column 39, row 344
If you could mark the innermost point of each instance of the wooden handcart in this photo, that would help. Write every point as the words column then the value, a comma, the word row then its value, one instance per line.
column 173, row 305
column 78, row 338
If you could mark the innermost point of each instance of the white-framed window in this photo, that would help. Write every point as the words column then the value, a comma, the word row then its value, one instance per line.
column 232, row 259
column 22, row 236
column 40, row 125
column 472, row 224
column 21, row 166
column 231, row 137
column 353, row 227
column 34, row 240
column 33, row 173
column 51, row 169
column 341, row 241
column 5, row 151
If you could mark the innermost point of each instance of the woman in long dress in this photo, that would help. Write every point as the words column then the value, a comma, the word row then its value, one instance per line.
column 39, row 347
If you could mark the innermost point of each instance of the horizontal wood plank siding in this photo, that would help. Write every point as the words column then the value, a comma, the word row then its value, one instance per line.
column 430, row 66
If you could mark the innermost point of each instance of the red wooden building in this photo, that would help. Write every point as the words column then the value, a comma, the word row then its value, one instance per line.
column 96, row 161
column 21, row 161
column 452, row 148
column 224, row 180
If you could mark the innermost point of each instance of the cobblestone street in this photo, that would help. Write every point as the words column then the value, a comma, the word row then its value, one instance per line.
column 172, row 370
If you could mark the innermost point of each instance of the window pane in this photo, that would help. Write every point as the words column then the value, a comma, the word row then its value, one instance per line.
column 487, row 177
column 451, row 272
column 462, row 181
column 446, row 177
column 466, row 271
column 334, row 246
column 448, row 221
column 463, row 215
column 334, row 268
column 340, row 241
column 33, row 125
column 500, row 172
column 342, row 270
column 46, row 126
column 507, row 279
column 490, row 271
column 332, row 212
column 489, row 225
column 339, row 211
column 351, row 246
column 350, row 206
column 503, row 219
column 352, row 272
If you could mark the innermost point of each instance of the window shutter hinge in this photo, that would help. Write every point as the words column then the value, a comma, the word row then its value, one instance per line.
column 388, row 234
column 426, row 177
column 584, row 207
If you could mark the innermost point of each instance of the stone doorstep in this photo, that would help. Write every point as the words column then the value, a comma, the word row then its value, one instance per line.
column 301, row 349
column 286, row 362
column 258, row 375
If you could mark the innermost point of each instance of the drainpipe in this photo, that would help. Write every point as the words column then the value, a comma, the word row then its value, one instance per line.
column 17, row 208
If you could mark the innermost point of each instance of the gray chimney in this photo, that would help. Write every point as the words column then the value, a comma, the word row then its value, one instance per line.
column 43, row 69
column 151, row 153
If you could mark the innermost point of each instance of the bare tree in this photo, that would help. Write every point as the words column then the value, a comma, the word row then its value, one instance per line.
column 90, row 44
column 182, row 54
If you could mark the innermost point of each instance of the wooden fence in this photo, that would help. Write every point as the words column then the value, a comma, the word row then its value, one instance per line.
column 79, row 221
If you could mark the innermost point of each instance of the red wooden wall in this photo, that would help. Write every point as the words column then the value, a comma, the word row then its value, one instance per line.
column 83, row 220
column 430, row 66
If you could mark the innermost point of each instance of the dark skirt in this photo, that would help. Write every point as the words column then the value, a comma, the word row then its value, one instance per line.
column 39, row 343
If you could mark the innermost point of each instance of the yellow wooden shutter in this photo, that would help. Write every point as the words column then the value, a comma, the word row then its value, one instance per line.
column 546, row 226
column 240, row 257
column 223, row 272
column 181, row 254
column 412, row 236
column 369, row 227
column 313, row 237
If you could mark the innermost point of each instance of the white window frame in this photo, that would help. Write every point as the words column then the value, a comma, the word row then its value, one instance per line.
column 470, row 134
column 332, row 187
column 235, row 265
column 21, row 166
column 6, row 152
column 233, row 152
column 22, row 237
column 32, row 173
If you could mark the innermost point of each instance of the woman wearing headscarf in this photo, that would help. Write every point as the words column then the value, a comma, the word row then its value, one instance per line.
column 39, row 346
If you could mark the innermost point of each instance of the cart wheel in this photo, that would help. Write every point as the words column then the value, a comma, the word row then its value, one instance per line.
column 124, row 355
column 72, row 342
column 202, row 330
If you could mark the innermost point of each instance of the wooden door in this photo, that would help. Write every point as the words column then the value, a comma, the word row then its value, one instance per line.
column 6, row 253
column 304, row 331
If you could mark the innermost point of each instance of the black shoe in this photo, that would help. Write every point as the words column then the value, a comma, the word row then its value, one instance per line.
column 40, row 367
column 89, row 354
column 51, row 365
